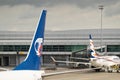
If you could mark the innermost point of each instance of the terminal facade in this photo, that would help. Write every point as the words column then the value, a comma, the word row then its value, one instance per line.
column 60, row 44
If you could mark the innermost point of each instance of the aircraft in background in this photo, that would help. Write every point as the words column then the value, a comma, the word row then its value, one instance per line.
column 106, row 63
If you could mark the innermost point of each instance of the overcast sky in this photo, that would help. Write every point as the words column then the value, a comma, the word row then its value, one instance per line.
column 23, row 15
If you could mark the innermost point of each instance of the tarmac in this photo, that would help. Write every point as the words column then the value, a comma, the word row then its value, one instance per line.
column 84, row 75
column 87, row 75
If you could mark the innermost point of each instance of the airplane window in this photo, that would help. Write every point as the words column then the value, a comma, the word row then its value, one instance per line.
column 115, row 58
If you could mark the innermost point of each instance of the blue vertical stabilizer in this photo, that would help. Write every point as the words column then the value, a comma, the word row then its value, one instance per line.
column 33, row 59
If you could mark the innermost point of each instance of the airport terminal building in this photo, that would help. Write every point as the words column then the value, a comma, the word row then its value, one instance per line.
column 14, row 45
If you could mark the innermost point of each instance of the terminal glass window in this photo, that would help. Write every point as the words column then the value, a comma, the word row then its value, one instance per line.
column 14, row 47
column 113, row 48
column 63, row 48
column 46, row 48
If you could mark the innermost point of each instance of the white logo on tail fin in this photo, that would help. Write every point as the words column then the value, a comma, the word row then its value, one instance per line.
column 38, row 46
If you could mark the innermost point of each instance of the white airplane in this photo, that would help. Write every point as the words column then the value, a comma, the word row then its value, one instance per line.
column 106, row 63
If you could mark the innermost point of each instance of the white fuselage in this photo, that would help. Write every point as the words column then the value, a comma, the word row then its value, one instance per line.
column 21, row 74
column 110, row 62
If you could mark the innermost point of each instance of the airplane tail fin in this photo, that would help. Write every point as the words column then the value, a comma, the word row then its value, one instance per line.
column 92, row 48
column 33, row 59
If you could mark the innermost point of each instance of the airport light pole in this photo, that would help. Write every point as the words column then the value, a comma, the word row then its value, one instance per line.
column 101, row 7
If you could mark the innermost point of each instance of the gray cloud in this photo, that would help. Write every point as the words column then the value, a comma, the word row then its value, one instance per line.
column 19, row 2
column 80, row 3
column 93, row 4
column 62, row 14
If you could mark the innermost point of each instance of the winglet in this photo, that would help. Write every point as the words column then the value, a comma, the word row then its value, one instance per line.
column 53, row 59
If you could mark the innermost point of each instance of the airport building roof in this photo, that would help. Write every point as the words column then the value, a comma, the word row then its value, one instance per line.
column 70, row 37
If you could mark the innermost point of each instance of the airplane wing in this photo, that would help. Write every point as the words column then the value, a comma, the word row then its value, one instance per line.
column 80, row 58
column 85, row 63
column 72, row 62
column 68, row 71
